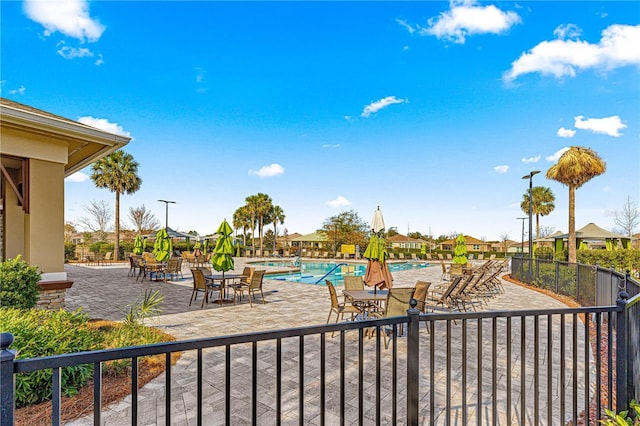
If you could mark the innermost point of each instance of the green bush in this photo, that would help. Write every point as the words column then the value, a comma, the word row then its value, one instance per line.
column 69, row 252
column 623, row 418
column 42, row 333
column 18, row 283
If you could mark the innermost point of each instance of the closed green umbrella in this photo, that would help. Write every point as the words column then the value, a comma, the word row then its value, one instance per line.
column 222, row 259
column 137, row 245
column 206, row 246
column 196, row 249
column 162, row 247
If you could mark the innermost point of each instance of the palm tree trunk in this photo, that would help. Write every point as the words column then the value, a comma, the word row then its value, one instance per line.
column 116, row 245
column 572, row 224
column 537, row 226
column 260, row 226
column 275, row 234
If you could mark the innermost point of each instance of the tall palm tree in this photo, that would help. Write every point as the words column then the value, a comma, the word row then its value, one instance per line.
column 277, row 215
column 575, row 168
column 242, row 219
column 118, row 172
column 252, row 210
column 542, row 205
column 264, row 205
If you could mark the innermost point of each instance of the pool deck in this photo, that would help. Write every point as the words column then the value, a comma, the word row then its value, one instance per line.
column 106, row 291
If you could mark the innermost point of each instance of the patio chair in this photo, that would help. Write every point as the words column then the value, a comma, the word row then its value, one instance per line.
column 201, row 286
column 354, row 282
column 255, row 284
column 445, row 272
column 444, row 299
column 397, row 306
column 133, row 264
column 420, row 294
column 173, row 268
column 340, row 308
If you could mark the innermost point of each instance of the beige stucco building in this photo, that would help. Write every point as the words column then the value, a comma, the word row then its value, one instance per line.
column 38, row 150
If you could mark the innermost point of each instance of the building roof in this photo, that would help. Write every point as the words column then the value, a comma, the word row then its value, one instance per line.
column 85, row 144
column 591, row 231
column 314, row 236
column 290, row 237
column 399, row 238
column 468, row 240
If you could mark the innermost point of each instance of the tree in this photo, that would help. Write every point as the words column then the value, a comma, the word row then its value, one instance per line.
column 143, row 220
column 252, row 211
column 545, row 231
column 100, row 215
column 574, row 168
column 118, row 172
column 542, row 205
column 69, row 230
column 393, row 230
column 264, row 205
column 277, row 216
column 628, row 219
column 345, row 228
column 504, row 242
column 242, row 220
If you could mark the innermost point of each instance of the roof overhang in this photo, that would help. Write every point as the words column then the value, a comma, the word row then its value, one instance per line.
column 85, row 144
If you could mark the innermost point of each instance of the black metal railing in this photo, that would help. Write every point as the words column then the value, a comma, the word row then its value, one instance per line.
column 513, row 367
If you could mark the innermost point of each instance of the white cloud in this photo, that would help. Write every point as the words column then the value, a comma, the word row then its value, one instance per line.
column 379, row 104
column 348, row 118
column 338, row 202
column 69, row 52
column 556, row 155
column 104, row 124
column 501, row 169
column 405, row 48
column 200, row 74
column 100, row 60
column 566, row 133
column 608, row 126
column 407, row 26
column 618, row 47
column 69, row 17
column 531, row 159
column 467, row 18
column 332, row 146
column 571, row 31
column 606, row 189
column 77, row 177
column 19, row 91
column 268, row 171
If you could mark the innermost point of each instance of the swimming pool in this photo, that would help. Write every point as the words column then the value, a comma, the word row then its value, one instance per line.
column 317, row 272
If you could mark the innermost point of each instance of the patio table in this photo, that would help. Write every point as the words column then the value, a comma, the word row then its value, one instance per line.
column 373, row 300
column 223, row 279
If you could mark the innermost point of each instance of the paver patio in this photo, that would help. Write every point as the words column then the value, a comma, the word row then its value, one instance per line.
column 105, row 291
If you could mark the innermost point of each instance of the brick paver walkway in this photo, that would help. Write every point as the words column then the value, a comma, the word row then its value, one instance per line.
column 106, row 291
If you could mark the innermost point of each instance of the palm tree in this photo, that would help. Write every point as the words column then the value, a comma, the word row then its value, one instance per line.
column 252, row 211
column 264, row 205
column 542, row 205
column 118, row 172
column 277, row 215
column 242, row 219
column 575, row 168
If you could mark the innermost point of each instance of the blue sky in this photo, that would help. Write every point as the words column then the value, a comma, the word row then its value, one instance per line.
column 431, row 110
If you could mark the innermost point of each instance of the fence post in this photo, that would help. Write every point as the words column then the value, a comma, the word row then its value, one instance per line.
column 413, row 362
column 7, row 384
column 621, row 351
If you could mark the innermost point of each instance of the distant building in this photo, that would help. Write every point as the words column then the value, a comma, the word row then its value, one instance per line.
column 313, row 241
column 473, row 244
column 400, row 241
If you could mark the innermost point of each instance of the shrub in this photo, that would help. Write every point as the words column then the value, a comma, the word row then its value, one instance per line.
column 623, row 418
column 42, row 333
column 69, row 252
column 18, row 283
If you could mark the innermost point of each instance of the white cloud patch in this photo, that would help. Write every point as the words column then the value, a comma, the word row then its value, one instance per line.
column 566, row 133
column 200, row 74
column 410, row 28
column 100, row 60
column 468, row 18
column 19, row 91
column 69, row 52
column 571, row 31
column 77, row 177
column 69, row 17
column 376, row 106
column 331, row 146
column 501, row 169
column 104, row 124
column 338, row 202
column 607, row 126
column 531, row 159
column 556, row 155
column 618, row 47
column 268, row 171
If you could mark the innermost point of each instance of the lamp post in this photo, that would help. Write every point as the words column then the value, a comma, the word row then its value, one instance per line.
column 166, row 212
column 522, row 239
column 530, row 177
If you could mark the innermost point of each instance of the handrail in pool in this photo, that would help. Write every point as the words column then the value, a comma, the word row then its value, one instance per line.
column 328, row 273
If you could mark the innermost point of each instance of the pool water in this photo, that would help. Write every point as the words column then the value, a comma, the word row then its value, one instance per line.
column 317, row 272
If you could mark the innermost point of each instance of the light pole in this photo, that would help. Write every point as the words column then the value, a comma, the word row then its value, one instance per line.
column 522, row 239
column 530, row 177
column 166, row 212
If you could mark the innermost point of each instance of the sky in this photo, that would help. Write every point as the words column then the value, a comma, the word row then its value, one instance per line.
column 431, row 110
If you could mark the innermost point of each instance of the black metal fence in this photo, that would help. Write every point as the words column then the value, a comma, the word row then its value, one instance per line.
column 507, row 367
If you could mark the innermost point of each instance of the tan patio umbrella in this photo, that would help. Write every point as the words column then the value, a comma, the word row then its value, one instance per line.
column 377, row 274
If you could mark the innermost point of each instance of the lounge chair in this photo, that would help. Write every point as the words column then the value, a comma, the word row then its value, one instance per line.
column 401, row 256
column 443, row 299
column 340, row 308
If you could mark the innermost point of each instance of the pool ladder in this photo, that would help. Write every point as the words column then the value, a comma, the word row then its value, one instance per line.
column 330, row 272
